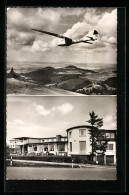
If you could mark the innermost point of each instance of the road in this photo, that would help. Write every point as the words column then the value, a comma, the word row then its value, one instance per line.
column 36, row 173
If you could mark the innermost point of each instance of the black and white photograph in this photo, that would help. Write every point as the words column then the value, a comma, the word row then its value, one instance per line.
column 61, row 138
column 64, row 98
column 61, row 51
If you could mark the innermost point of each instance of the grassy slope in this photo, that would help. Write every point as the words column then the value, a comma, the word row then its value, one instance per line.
column 111, row 82
column 73, row 84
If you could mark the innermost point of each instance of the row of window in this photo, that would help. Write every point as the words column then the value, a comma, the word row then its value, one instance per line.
column 110, row 135
column 48, row 140
column 82, row 133
column 12, row 146
column 60, row 147
column 52, row 140
column 82, row 146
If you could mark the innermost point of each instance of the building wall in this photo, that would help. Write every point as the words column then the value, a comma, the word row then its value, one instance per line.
column 34, row 140
column 75, row 139
column 30, row 148
column 112, row 152
column 12, row 145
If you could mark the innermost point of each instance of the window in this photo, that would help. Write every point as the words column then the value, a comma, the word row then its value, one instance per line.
column 51, row 147
column 70, row 134
column 110, row 147
column 35, row 148
column 82, row 146
column 107, row 135
column 82, row 132
column 61, row 147
column 112, row 135
column 70, row 146
column 46, row 148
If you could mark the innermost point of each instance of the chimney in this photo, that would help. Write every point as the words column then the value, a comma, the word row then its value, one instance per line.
column 58, row 138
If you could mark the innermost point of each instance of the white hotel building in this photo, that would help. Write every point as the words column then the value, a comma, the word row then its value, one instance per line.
column 76, row 143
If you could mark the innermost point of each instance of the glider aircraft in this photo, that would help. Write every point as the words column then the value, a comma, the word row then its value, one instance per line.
column 66, row 41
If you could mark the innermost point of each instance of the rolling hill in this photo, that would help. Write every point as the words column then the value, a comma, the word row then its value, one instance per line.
column 73, row 84
column 74, row 69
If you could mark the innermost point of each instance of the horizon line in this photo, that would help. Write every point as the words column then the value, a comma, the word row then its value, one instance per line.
column 62, row 62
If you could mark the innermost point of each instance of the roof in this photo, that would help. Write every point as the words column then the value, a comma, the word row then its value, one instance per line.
column 44, row 143
column 27, row 138
column 108, row 130
column 53, row 137
column 21, row 138
column 82, row 126
column 89, row 126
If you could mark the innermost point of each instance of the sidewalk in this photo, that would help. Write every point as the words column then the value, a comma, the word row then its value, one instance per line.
column 65, row 164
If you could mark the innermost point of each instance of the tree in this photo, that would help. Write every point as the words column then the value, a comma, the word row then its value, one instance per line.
column 98, row 143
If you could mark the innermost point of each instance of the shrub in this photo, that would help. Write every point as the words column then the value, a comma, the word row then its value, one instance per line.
column 52, row 158
column 81, row 159
column 48, row 158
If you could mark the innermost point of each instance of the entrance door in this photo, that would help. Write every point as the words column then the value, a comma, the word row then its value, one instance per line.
column 100, row 159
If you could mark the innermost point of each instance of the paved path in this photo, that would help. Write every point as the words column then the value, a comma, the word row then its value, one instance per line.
column 45, row 173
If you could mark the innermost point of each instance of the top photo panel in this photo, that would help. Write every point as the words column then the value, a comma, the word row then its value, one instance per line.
column 61, row 51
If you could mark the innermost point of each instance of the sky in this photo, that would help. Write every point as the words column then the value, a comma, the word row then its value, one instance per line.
column 24, row 44
column 42, row 116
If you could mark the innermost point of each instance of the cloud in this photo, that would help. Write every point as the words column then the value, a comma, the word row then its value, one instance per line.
column 111, row 40
column 21, row 38
column 22, row 19
column 78, row 30
column 105, row 24
column 42, row 111
column 39, row 45
column 18, row 122
column 63, row 109
column 15, row 122
column 109, row 122
column 108, row 24
column 102, row 23
column 72, row 22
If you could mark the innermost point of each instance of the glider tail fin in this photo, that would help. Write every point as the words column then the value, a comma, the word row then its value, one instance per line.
column 95, row 35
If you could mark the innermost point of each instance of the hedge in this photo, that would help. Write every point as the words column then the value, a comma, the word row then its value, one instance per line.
column 66, row 159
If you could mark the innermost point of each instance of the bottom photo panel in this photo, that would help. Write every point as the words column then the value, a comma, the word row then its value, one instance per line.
column 61, row 138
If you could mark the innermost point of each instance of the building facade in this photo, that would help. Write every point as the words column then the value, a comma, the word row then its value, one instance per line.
column 52, row 145
column 77, row 142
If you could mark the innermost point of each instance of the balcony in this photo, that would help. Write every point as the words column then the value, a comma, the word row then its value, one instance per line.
column 21, row 142
column 53, row 140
